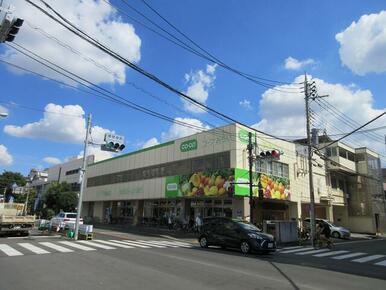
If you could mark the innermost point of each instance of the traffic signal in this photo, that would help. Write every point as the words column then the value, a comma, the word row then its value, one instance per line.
column 17, row 23
column 114, row 143
column 274, row 154
column 9, row 27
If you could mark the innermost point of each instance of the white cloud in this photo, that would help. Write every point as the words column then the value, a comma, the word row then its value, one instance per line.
column 294, row 64
column 199, row 84
column 98, row 19
column 3, row 110
column 52, row 160
column 245, row 104
column 178, row 131
column 363, row 44
column 283, row 114
column 6, row 158
column 151, row 142
column 65, row 124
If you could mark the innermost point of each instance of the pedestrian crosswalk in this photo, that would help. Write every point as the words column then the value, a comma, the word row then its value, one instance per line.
column 67, row 246
column 343, row 255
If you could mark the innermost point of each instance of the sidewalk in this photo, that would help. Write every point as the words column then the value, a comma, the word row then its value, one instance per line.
column 127, row 231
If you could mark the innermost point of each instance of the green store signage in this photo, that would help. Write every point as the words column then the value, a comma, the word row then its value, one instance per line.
column 171, row 186
column 188, row 145
column 244, row 138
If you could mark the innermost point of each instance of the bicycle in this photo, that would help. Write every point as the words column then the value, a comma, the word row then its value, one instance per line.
column 320, row 240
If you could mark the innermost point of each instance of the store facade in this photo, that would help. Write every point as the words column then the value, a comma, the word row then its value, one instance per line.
column 203, row 174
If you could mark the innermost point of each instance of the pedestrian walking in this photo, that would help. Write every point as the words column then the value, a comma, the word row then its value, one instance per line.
column 198, row 223
column 170, row 222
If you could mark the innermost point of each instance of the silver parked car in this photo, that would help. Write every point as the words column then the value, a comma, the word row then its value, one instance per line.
column 336, row 231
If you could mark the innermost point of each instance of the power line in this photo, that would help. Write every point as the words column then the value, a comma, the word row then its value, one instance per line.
column 93, row 61
column 343, row 117
column 103, row 93
column 191, row 49
column 97, row 44
column 357, row 129
column 218, row 61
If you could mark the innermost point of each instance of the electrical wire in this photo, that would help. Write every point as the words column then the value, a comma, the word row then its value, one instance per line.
column 204, row 53
column 357, row 129
column 97, row 44
column 344, row 118
column 93, row 61
column 101, row 92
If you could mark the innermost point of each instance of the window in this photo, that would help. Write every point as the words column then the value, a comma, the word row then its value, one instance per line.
column 273, row 167
column 74, row 171
column 275, row 170
column 285, row 170
column 269, row 167
column 230, row 226
column 333, row 182
column 342, row 152
column 351, row 156
column 331, row 151
column 187, row 166
column 341, row 185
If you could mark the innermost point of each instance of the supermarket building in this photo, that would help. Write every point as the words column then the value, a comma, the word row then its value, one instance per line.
column 199, row 175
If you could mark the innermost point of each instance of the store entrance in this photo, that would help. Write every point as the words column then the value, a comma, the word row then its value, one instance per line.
column 211, row 208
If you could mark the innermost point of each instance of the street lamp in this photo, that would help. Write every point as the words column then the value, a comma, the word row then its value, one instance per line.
column 3, row 115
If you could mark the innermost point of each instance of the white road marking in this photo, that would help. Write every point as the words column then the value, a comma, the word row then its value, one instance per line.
column 382, row 263
column 312, row 252
column 333, row 253
column 114, row 244
column 296, row 250
column 9, row 251
column 368, row 258
column 33, row 248
column 147, row 244
column 181, row 244
column 56, row 247
column 97, row 245
column 349, row 256
column 162, row 244
column 292, row 248
column 77, row 246
column 128, row 242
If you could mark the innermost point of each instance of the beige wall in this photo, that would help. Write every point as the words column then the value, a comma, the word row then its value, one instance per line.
column 361, row 224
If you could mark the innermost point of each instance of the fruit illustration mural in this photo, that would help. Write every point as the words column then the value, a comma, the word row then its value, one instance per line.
column 207, row 183
column 274, row 187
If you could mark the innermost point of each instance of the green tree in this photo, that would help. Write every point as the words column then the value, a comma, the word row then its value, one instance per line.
column 59, row 197
column 7, row 178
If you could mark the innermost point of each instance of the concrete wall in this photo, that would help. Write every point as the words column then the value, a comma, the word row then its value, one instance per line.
column 241, row 205
column 98, row 210
column 341, row 216
column 363, row 224
column 58, row 172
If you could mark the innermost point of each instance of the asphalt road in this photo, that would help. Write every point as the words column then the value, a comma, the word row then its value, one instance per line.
column 182, row 266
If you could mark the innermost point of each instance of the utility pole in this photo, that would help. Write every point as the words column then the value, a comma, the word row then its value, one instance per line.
column 83, row 176
column 310, row 171
column 250, row 163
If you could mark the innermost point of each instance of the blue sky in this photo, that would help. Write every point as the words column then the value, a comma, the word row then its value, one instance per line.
column 253, row 36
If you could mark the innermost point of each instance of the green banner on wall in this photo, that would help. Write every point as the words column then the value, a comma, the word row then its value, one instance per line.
column 171, row 186
column 273, row 187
